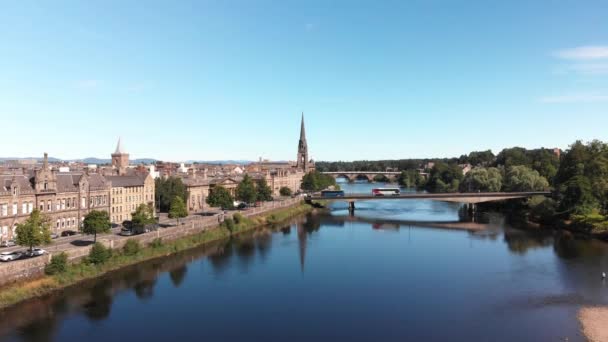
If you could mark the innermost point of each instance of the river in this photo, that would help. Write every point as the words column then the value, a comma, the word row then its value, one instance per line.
column 374, row 276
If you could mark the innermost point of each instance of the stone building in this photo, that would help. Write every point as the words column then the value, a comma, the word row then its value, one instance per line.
column 127, row 193
column 64, row 198
column 120, row 160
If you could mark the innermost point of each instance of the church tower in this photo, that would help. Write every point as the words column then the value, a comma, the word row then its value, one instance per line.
column 302, row 161
column 120, row 159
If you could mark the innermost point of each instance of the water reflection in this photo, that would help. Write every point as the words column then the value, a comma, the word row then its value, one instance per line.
column 350, row 268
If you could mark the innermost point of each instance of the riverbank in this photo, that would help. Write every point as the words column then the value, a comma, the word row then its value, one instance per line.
column 593, row 321
column 83, row 270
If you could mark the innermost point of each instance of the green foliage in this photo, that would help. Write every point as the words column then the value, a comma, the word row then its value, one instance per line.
column 542, row 160
column 246, row 190
column 285, row 191
column 238, row 218
column 156, row 243
column 444, row 178
column 263, row 191
column 131, row 247
column 482, row 179
column 582, row 179
column 229, row 224
column 220, row 197
column 34, row 231
column 96, row 222
column 166, row 189
column 523, row 178
column 143, row 215
column 178, row 209
column 99, row 254
column 411, row 179
column 58, row 264
column 478, row 158
column 593, row 222
column 316, row 181
column 542, row 210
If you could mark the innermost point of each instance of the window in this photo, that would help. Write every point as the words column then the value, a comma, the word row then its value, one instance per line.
column 62, row 223
column 83, row 202
column 74, row 221
column 4, row 209
column 14, row 208
column 49, row 205
column 46, row 185
column 58, row 223
column 62, row 204
column 30, row 207
column 23, row 208
column 41, row 206
column 57, row 205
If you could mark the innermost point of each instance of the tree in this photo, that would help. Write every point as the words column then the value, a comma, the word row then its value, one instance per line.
column 444, row 178
column 143, row 215
column 246, row 191
column 178, row 209
column 35, row 231
column 316, row 181
column 220, row 197
column 523, row 178
column 96, row 222
column 411, row 179
column 264, row 192
column 482, row 179
column 167, row 189
column 285, row 191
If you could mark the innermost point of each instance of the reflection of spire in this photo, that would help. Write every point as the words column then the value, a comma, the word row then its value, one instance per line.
column 302, row 245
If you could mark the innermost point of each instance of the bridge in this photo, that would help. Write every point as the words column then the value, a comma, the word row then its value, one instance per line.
column 459, row 197
column 369, row 175
column 470, row 199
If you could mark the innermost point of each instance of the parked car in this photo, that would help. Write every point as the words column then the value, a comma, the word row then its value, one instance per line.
column 126, row 232
column 35, row 252
column 7, row 243
column 68, row 233
column 54, row 235
column 242, row 206
column 127, row 224
column 10, row 256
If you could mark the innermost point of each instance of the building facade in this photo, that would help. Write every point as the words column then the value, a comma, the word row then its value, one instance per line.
column 64, row 198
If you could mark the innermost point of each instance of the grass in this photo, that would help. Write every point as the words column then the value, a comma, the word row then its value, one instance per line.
column 83, row 270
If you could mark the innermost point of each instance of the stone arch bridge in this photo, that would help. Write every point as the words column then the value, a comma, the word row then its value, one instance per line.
column 368, row 175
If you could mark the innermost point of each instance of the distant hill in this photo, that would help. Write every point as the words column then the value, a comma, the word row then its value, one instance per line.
column 93, row 160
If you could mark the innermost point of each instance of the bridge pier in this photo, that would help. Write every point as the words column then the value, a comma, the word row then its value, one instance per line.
column 351, row 207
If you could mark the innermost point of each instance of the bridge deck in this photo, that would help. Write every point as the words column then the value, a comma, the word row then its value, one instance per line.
column 476, row 197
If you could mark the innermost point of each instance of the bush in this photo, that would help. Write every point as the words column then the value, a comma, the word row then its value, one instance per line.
column 229, row 224
column 99, row 254
column 156, row 243
column 238, row 218
column 58, row 264
column 285, row 191
column 131, row 247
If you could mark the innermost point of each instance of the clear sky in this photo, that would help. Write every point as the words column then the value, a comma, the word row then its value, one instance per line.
column 213, row 80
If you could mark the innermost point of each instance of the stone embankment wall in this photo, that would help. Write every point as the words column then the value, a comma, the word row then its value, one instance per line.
column 29, row 268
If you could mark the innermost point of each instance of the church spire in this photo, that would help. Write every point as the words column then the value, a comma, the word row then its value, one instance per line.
column 302, row 160
column 302, row 130
column 119, row 149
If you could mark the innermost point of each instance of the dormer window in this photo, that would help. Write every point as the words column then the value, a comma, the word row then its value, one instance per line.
column 46, row 186
column 15, row 191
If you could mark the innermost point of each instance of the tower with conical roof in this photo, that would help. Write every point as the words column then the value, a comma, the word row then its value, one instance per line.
column 120, row 159
column 302, row 161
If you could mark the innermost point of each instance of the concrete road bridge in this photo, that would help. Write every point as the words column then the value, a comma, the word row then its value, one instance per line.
column 459, row 197
column 368, row 175
column 468, row 198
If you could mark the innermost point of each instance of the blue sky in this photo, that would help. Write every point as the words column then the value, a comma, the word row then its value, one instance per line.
column 211, row 80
